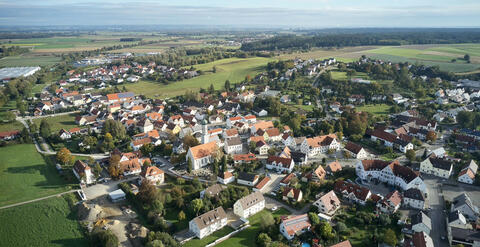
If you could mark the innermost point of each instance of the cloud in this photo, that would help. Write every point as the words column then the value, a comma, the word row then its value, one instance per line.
column 326, row 14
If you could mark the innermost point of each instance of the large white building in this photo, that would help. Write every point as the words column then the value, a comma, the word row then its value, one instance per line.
column 320, row 144
column 414, row 198
column 328, row 204
column 294, row 225
column 208, row 222
column 249, row 205
column 390, row 172
column 201, row 155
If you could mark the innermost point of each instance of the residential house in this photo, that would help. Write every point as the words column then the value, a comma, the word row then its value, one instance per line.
column 153, row 175
column 465, row 237
column 248, row 179
column 212, row 191
column 83, row 172
column 419, row 239
column 249, row 205
column 457, row 219
column 421, row 223
column 201, row 155
column 294, row 225
column 64, row 134
column 345, row 243
column 352, row 192
column 292, row 194
column 145, row 125
column 328, row 204
column 244, row 158
column 287, row 179
column 356, row 151
column 208, row 222
column 333, row 167
column 225, row 177
column 414, row 198
column 391, row 203
column 437, row 167
column 260, row 185
column 233, row 145
column 280, row 164
column 467, row 174
column 464, row 205
column 262, row 148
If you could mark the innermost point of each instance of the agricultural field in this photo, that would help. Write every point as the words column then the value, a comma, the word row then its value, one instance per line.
column 434, row 55
column 50, row 222
column 27, row 176
column 375, row 109
column 248, row 236
column 29, row 60
column 233, row 69
column 59, row 122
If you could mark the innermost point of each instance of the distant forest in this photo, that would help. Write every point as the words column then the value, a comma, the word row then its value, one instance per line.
column 369, row 37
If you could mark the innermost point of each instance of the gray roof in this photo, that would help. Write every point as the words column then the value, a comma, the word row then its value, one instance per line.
column 214, row 190
column 234, row 141
column 251, row 200
column 246, row 176
column 421, row 218
column 464, row 199
column 413, row 193
column 465, row 234
column 441, row 163
column 210, row 217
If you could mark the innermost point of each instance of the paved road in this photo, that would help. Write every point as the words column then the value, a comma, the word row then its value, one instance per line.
column 38, row 199
column 437, row 215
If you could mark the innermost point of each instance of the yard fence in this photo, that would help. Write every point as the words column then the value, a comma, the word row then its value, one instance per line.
column 227, row 236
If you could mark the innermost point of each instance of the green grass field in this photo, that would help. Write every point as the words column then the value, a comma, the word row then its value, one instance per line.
column 248, row 236
column 45, row 223
column 378, row 109
column 208, row 239
column 59, row 122
column 15, row 125
column 28, row 60
column 233, row 69
column 26, row 175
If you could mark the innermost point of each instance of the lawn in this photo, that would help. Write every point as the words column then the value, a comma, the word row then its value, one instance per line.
column 209, row 239
column 342, row 76
column 15, row 125
column 25, row 175
column 376, row 109
column 45, row 223
column 59, row 122
column 248, row 236
column 233, row 69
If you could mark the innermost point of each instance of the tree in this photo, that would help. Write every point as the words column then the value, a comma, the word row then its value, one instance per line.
column 189, row 165
column 466, row 57
column 181, row 215
column 114, row 166
column 196, row 205
column 155, row 243
column 410, row 154
column 25, row 136
column 431, row 136
column 147, row 149
column 189, row 141
column 325, row 230
column 390, row 237
column 147, row 163
column 147, row 192
column 45, row 130
column 263, row 240
column 104, row 238
column 214, row 69
column 9, row 116
column 211, row 89
column 64, row 156
column 97, row 169
column 115, row 128
column 90, row 142
column 227, row 85
column 267, row 221
column 314, row 218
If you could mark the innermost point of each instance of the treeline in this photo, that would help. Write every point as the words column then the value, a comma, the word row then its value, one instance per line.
column 36, row 35
column 12, row 51
column 359, row 39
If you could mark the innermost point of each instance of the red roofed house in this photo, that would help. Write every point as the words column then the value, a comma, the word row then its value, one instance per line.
column 356, row 151
column 328, row 203
column 9, row 135
column 280, row 164
column 294, row 225
column 262, row 184
column 231, row 121
column 292, row 194
column 83, row 172
column 225, row 177
column 153, row 174
column 391, row 203
column 352, row 192
column 333, row 167
column 244, row 158
column 345, row 243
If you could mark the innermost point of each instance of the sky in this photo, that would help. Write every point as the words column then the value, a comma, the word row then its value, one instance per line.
column 244, row 13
